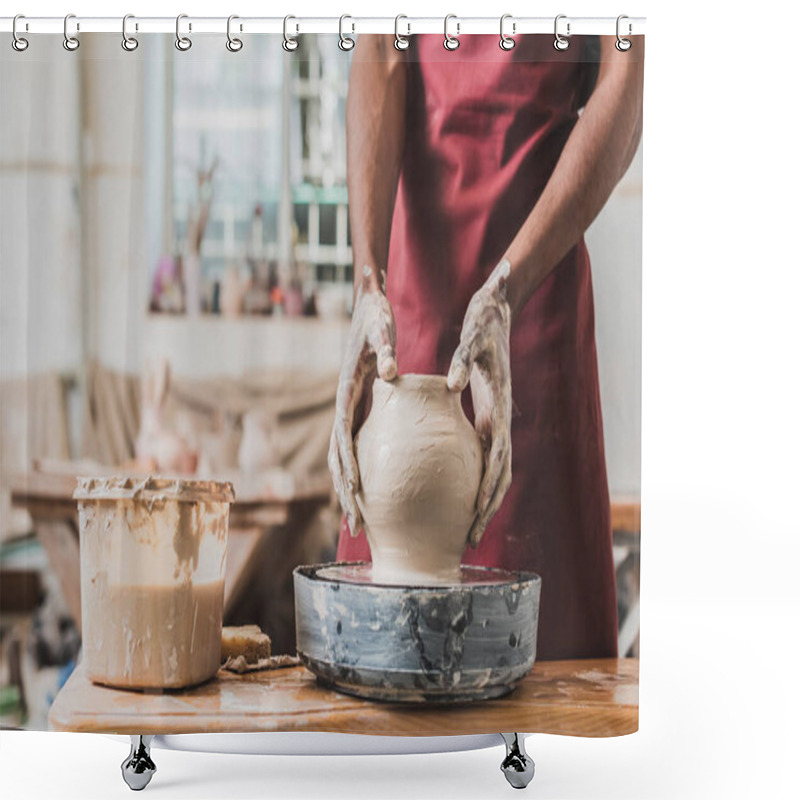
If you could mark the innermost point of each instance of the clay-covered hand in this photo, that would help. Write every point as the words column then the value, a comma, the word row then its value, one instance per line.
column 482, row 360
column 370, row 350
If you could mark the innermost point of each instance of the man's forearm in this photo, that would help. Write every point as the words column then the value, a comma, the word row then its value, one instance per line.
column 376, row 108
column 596, row 155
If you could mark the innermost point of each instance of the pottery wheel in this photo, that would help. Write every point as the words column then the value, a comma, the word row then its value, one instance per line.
column 467, row 641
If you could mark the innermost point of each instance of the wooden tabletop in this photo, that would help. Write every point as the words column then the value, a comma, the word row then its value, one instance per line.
column 598, row 697
column 626, row 514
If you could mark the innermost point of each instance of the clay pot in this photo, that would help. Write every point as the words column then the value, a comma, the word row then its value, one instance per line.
column 421, row 464
column 231, row 293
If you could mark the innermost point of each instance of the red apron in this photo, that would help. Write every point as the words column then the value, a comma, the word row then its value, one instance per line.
column 485, row 129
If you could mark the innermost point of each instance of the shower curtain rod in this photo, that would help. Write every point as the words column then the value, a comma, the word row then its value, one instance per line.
column 571, row 26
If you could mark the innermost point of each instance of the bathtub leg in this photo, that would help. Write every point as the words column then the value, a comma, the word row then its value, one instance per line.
column 138, row 768
column 517, row 766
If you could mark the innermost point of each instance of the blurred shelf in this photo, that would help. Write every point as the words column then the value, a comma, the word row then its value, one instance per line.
column 286, row 322
column 309, row 193
column 214, row 345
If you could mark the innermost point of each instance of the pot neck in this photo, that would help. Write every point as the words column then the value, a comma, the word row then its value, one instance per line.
column 430, row 387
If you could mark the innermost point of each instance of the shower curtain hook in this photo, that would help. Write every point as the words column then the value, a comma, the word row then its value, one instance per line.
column 71, row 43
column 17, row 42
column 560, row 43
column 182, row 43
column 401, row 42
column 451, row 42
column 129, row 43
column 506, row 42
column 346, row 42
column 290, row 43
column 623, row 45
column 233, row 44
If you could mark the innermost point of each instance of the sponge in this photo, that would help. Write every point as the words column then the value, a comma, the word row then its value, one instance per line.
column 245, row 640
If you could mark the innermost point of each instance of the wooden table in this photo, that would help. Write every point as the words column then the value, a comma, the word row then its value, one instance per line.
column 47, row 496
column 598, row 697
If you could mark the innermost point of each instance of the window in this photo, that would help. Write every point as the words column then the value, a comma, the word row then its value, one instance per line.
column 272, row 126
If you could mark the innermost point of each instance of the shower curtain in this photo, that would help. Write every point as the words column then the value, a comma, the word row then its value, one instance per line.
column 194, row 242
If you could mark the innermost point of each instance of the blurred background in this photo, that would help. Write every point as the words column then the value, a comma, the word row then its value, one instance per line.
column 175, row 289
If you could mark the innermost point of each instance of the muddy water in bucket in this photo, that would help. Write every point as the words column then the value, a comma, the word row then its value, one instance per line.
column 152, row 576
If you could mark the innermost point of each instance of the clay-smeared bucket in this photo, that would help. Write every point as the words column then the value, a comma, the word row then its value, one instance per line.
column 153, row 554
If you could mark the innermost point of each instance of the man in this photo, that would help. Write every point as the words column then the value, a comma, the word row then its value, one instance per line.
column 472, row 179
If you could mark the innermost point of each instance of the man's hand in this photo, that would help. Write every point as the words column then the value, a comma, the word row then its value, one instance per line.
column 370, row 350
column 482, row 360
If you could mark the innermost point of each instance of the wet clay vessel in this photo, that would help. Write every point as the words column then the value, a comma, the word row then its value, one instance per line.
column 420, row 463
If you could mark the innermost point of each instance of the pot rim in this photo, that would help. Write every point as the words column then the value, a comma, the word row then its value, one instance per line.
column 149, row 487
column 504, row 577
